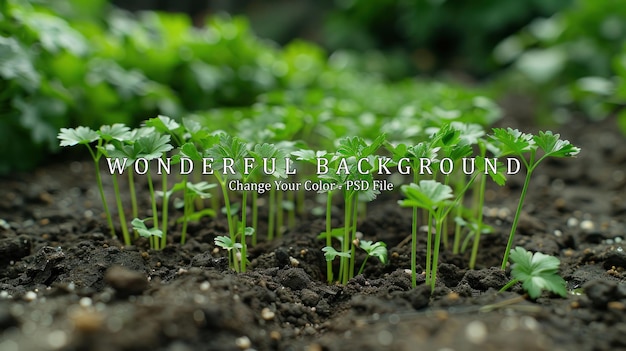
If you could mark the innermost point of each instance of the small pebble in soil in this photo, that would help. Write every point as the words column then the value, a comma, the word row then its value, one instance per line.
column 587, row 225
column 275, row 335
column 572, row 222
column 30, row 296
column 125, row 281
column 85, row 302
column 476, row 332
column 85, row 320
column 243, row 342
column 205, row 285
column 293, row 262
column 558, row 233
column 267, row 314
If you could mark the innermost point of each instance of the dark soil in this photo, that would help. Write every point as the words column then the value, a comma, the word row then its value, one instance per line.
column 66, row 285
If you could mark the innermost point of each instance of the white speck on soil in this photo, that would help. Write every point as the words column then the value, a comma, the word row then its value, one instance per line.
column 587, row 225
column 558, row 233
column 476, row 332
column 267, row 314
column 618, row 240
column 619, row 249
column 572, row 222
column 294, row 262
column 243, row 342
column 30, row 296
column 85, row 302
column 385, row 338
column 205, row 285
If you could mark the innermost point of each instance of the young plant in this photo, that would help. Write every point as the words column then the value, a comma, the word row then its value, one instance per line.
column 345, row 174
column 86, row 136
column 433, row 197
column 513, row 142
column 376, row 249
column 233, row 149
column 231, row 246
column 140, row 227
column 537, row 272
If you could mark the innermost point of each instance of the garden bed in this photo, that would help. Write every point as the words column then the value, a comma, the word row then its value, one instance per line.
column 58, row 290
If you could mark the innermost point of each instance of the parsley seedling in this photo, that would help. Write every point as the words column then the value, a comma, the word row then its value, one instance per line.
column 513, row 142
column 537, row 272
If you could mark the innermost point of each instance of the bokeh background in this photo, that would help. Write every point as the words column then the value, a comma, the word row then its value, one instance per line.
column 76, row 62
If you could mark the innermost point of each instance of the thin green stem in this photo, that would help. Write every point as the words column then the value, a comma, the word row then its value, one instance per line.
column 429, row 247
column 329, row 264
column 291, row 212
column 344, row 262
column 363, row 265
column 279, row 214
column 509, row 284
column 479, row 223
column 414, row 249
column 133, row 194
column 355, row 213
column 271, row 214
column 518, row 212
column 229, row 216
column 155, row 213
column 105, row 206
column 255, row 215
column 438, row 227
column 186, row 206
column 244, row 220
column 120, row 210
column 165, row 209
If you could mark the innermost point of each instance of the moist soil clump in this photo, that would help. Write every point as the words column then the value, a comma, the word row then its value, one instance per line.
column 67, row 285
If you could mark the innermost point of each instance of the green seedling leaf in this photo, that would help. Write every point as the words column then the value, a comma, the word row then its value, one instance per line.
column 537, row 272
column 163, row 124
column 336, row 233
column 228, row 148
column 143, row 230
column 200, row 189
column 249, row 231
column 189, row 150
column 553, row 146
column 512, row 142
column 330, row 253
column 429, row 194
column 270, row 151
column 196, row 216
column 470, row 132
column 226, row 243
column 79, row 135
column 377, row 249
column 154, row 145
column 117, row 131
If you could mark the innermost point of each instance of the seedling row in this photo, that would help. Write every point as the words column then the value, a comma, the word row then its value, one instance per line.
column 450, row 204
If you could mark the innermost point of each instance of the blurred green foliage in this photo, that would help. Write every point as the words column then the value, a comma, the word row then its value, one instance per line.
column 433, row 34
column 572, row 62
column 64, row 64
